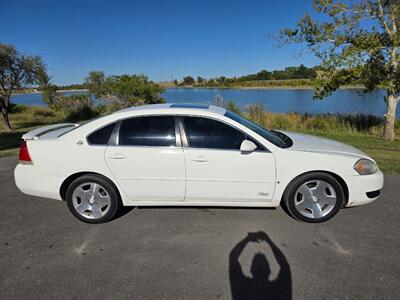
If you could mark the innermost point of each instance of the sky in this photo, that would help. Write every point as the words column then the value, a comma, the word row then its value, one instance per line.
column 162, row 39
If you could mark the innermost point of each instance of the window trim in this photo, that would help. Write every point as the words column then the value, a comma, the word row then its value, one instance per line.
column 180, row 133
column 186, row 143
column 116, row 122
column 114, row 138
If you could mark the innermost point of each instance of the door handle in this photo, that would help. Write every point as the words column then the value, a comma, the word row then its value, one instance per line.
column 117, row 156
column 200, row 158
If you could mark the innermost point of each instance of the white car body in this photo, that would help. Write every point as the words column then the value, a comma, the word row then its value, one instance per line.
column 146, row 175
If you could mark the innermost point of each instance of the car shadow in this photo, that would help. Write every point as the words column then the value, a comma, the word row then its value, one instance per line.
column 259, row 286
column 124, row 210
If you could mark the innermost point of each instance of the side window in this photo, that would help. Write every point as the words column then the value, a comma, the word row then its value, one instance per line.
column 101, row 136
column 148, row 131
column 208, row 133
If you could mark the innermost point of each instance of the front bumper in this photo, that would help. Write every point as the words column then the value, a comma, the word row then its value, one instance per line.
column 360, row 185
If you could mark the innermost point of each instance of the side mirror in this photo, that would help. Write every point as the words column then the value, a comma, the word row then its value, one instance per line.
column 247, row 146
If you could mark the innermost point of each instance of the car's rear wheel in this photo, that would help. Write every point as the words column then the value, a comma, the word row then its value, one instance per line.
column 93, row 199
column 314, row 197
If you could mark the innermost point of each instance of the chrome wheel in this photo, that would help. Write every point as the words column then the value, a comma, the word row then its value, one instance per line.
column 315, row 199
column 91, row 200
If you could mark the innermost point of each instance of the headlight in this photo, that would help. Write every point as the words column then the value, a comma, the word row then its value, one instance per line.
column 365, row 167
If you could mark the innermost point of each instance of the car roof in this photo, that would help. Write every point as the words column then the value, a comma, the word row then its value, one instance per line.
column 175, row 107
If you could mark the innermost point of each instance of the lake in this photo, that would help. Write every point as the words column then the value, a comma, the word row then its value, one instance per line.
column 345, row 101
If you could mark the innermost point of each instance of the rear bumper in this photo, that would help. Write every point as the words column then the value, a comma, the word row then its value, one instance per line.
column 29, row 182
column 364, row 189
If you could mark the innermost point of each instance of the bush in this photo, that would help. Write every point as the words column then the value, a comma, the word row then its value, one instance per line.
column 281, row 122
column 40, row 112
column 17, row 108
column 256, row 113
column 233, row 107
column 83, row 114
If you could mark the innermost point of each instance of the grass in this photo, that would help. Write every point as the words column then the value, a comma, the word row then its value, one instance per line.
column 23, row 120
column 360, row 131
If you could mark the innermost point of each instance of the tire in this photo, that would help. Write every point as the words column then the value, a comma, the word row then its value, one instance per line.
column 314, row 197
column 93, row 199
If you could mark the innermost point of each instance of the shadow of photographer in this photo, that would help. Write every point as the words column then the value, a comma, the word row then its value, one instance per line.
column 258, row 286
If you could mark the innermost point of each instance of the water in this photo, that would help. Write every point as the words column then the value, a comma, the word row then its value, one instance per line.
column 346, row 101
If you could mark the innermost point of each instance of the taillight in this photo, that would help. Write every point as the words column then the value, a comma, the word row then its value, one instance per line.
column 24, row 156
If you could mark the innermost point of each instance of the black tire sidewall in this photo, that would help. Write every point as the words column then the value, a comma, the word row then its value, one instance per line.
column 296, row 183
column 105, row 183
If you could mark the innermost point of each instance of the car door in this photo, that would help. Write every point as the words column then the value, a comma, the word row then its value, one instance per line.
column 147, row 159
column 216, row 169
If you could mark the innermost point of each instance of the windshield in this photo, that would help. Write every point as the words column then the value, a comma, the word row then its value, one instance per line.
column 267, row 134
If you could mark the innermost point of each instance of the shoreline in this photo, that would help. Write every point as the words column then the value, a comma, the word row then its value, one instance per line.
column 40, row 92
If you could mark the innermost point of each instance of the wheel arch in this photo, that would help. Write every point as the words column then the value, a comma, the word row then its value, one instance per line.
column 71, row 178
column 341, row 181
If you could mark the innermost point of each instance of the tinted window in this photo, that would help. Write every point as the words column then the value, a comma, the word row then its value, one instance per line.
column 148, row 131
column 207, row 133
column 101, row 136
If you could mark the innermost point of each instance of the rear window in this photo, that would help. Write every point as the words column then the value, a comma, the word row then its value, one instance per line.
column 101, row 136
column 158, row 131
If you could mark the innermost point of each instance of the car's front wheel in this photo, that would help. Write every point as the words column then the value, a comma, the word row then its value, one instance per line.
column 93, row 199
column 314, row 197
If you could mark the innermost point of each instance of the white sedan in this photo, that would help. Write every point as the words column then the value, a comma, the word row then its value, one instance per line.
column 193, row 155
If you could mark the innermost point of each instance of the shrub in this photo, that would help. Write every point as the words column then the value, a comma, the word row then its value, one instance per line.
column 17, row 108
column 256, row 113
column 40, row 112
column 83, row 114
column 233, row 107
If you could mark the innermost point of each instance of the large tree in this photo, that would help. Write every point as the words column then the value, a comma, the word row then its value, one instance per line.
column 356, row 41
column 16, row 71
column 127, row 89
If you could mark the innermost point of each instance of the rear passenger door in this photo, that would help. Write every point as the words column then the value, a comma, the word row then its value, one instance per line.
column 147, row 159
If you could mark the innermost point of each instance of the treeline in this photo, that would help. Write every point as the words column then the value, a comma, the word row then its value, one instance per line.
column 289, row 76
column 290, row 73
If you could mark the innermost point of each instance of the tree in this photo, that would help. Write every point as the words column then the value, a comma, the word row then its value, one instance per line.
column 221, row 79
column 200, row 80
column 264, row 75
column 16, row 71
column 49, row 90
column 96, row 84
column 127, row 89
column 188, row 80
column 356, row 41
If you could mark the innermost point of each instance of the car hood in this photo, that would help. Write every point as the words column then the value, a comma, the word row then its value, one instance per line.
column 310, row 143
